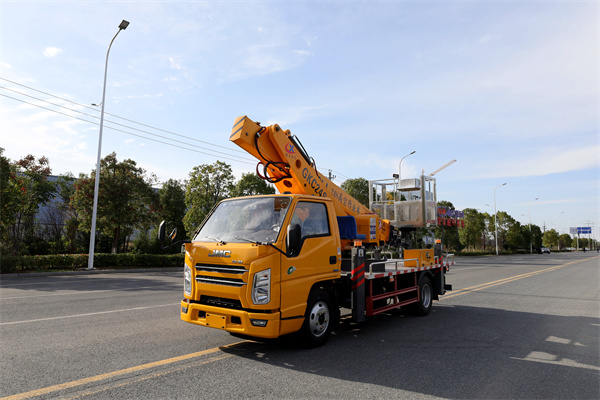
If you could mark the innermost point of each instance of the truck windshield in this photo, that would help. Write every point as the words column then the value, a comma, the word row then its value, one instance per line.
column 240, row 220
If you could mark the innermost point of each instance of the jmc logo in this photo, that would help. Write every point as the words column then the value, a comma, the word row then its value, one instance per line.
column 220, row 253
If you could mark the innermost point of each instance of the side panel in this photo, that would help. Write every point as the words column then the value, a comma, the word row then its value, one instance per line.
column 419, row 258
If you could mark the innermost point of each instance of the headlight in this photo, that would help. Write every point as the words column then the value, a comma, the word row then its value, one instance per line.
column 187, row 280
column 261, row 287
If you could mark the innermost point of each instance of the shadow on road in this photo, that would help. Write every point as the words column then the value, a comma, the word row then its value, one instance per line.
column 504, row 354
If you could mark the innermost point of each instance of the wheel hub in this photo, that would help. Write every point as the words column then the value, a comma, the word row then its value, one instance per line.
column 319, row 319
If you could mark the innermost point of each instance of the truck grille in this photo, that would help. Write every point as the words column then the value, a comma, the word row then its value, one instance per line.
column 226, row 269
column 217, row 280
column 220, row 302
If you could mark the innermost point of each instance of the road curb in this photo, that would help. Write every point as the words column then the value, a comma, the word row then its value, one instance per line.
column 88, row 272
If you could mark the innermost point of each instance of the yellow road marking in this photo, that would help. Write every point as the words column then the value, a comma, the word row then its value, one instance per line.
column 487, row 285
column 79, row 382
column 145, row 378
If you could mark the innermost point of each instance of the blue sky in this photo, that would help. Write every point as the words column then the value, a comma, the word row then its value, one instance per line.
column 508, row 89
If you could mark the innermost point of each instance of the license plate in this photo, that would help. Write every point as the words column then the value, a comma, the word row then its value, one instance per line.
column 215, row 321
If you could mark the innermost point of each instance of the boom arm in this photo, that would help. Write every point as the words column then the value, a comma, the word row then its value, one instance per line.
column 286, row 164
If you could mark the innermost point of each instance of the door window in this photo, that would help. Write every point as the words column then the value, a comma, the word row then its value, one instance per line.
column 312, row 218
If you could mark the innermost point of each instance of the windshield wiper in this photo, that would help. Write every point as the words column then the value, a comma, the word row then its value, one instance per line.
column 260, row 243
column 216, row 240
column 249, row 240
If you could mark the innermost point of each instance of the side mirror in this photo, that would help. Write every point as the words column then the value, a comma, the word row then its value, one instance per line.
column 294, row 239
column 161, row 232
column 161, row 237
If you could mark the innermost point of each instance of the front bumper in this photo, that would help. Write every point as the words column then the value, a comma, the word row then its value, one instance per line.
column 234, row 321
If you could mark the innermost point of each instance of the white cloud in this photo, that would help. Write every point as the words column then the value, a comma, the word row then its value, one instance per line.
column 52, row 51
column 302, row 52
column 488, row 37
column 175, row 64
column 548, row 161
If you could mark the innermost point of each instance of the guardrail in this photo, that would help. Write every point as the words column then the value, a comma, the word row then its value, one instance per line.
column 395, row 262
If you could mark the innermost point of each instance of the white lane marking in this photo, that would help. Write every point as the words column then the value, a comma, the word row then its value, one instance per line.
column 133, row 288
column 87, row 314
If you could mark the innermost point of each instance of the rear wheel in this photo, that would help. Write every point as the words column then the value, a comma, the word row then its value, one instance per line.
column 423, row 306
column 318, row 320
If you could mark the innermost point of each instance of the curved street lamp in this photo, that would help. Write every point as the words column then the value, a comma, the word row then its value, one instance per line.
column 122, row 26
column 400, row 166
column 495, row 224
column 530, row 236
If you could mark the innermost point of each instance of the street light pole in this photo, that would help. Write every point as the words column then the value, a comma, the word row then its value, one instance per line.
column 530, row 236
column 122, row 26
column 495, row 224
column 400, row 167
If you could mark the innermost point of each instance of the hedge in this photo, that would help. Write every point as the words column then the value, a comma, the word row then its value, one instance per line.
column 71, row 262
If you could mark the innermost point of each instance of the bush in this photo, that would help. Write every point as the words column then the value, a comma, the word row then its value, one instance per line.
column 478, row 253
column 71, row 262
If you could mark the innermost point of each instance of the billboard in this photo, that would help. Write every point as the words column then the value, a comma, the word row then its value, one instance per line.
column 583, row 230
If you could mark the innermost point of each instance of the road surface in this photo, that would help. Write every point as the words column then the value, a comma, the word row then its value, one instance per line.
column 514, row 327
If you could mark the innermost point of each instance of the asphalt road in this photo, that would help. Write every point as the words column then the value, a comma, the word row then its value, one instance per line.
column 514, row 327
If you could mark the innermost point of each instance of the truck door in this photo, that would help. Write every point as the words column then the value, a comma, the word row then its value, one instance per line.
column 316, row 259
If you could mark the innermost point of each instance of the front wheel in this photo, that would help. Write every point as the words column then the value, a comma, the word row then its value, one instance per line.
column 318, row 320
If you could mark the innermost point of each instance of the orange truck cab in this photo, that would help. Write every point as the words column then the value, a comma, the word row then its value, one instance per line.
column 252, row 265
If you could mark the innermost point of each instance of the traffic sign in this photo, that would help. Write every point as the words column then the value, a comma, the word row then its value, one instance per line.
column 586, row 230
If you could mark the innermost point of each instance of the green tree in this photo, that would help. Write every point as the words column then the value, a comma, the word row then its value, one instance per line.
column 504, row 221
column 564, row 241
column 532, row 237
column 490, row 232
column 448, row 234
column 474, row 227
column 9, row 202
column 251, row 185
column 514, row 236
column 25, row 187
column 126, row 200
column 207, row 185
column 536, row 236
column 357, row 188
column 550, row 238
column 172, row 207
column 65, row 190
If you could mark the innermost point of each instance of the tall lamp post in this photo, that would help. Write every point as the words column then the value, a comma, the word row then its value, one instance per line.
column 530, row 236
column 495, row 224
column 122, row 26
column 558, row 229
column 400, row 166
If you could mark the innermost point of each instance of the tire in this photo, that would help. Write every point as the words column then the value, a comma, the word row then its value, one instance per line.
column 318, row 320
column 423, row 306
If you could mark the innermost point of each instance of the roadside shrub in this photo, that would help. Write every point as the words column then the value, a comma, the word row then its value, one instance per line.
column 71, row 262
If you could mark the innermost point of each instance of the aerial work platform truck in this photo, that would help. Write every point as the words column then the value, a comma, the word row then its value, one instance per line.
column 272, row 265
